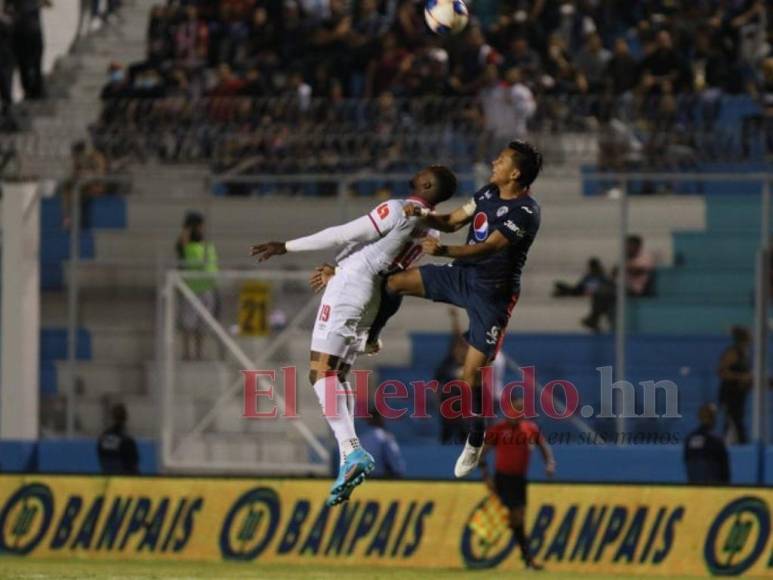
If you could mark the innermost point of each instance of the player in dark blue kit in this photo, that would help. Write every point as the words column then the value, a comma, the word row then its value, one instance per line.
column 485, row 276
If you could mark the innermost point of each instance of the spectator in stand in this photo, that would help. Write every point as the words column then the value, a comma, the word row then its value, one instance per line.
column 508, row 106
column 299, row 90
column 592, row 62
column 639, row 267
column 117, row 86
column 621, row 75
column 765, row 95
column 475, row 54
column 385, row 68
column 89, row 166
column 191, row 40
column 590, row 282
column 705, row 454
column 371, row 47
column 228, row 84
column 28, row 45
column 664, row 69
column 103, row 10
column 735, row 383
column 116, row 449
column 520, row 55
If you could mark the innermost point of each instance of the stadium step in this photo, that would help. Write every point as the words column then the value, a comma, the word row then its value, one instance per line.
column 207, row 448
column 160, row 182
column 560, row 315
column 119, row 310
column 157, row 246
column 95, row 379
column 260, row 218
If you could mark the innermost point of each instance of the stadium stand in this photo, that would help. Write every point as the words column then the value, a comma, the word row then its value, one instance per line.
column 194, row 91
column 248, row 85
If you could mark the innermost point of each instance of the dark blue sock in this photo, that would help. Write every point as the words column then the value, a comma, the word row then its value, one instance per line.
column 478, row 423
column 390, row 304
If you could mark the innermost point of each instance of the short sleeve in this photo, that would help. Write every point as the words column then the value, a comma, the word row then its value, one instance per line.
column 386, row 216
column 534, row 433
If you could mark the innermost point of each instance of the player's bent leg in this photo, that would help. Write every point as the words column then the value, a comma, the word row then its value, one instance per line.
column 326, row 372
column 388, row 307
column 406, row 283
column 470, row 456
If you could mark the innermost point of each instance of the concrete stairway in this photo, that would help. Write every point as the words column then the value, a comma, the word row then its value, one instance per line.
column 84, row 72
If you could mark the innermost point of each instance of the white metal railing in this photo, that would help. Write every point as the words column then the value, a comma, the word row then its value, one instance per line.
column 174, row 284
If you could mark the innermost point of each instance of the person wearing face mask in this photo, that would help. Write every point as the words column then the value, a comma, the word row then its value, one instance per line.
column 117, row 85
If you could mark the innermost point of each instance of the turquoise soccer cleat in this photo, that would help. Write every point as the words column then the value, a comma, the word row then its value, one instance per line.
column 358, row 464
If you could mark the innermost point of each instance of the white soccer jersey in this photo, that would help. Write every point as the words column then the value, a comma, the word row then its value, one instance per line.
column 382, row 242
column 398, row 245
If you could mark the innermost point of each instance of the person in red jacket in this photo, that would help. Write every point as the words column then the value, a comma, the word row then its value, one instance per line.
column 512, row 440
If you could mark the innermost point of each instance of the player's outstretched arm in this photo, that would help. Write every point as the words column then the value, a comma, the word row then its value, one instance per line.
column 495, row 243
column 363, row 229
column 449, row 222
column 266, row 250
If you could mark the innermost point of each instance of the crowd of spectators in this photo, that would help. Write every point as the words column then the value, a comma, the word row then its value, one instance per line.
column 216, row 72
column 21, row 48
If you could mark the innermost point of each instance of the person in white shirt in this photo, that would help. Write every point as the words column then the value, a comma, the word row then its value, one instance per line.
column 384, row 241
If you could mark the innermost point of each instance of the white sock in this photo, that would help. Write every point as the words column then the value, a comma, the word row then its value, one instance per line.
column 351, row 401
column 341, row 420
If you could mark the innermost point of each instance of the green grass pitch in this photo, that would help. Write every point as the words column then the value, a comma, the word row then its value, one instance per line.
column 24, row 569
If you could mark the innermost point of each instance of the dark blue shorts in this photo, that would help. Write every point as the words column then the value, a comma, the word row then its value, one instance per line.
column 488, row 313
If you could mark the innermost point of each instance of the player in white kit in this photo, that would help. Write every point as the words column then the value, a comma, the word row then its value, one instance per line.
column 378, row 244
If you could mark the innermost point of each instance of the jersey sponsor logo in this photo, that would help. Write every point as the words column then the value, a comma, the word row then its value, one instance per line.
column 324, row 313
column 510, row 225
column 383, row 211
column 502, row 211
column 487, row 195
column 527, row 210
column 480, row 226
column 492, row 336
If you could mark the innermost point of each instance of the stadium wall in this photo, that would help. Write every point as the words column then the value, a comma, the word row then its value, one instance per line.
column 645, row 464
column 654, row 530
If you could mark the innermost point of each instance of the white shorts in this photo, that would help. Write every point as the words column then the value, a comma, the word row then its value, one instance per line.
column 347, row 310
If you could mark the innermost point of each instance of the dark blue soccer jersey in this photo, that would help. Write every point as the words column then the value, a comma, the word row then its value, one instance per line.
column 518, row 220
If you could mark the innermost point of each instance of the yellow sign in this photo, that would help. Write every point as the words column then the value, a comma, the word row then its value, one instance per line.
column 254, row 299
column 583, row 528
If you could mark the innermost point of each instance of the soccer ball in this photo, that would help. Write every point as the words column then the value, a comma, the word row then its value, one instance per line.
column 446, row 16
